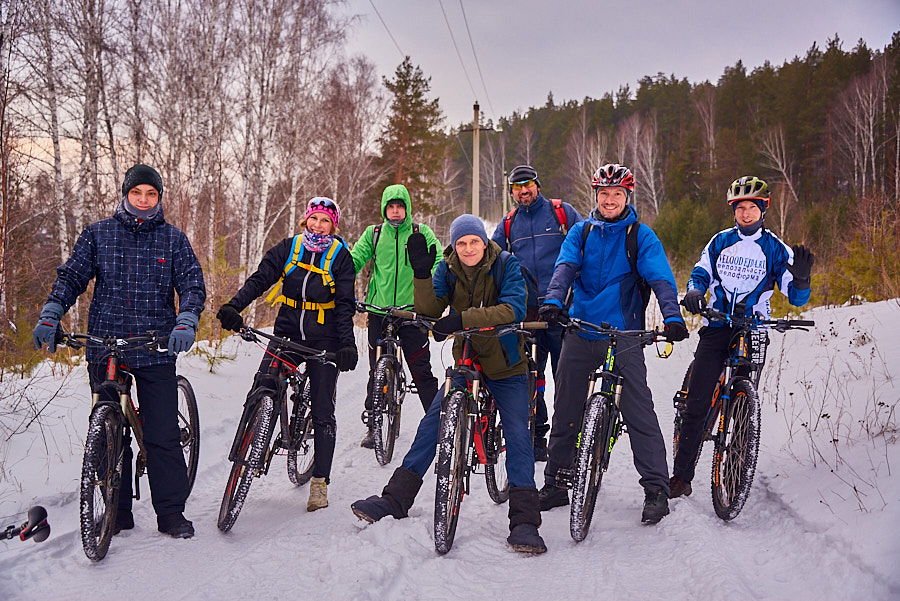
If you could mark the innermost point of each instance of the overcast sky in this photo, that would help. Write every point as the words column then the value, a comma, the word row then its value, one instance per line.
column 579, row 48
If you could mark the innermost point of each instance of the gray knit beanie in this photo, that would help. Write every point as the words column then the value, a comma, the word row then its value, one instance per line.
column 465, row 225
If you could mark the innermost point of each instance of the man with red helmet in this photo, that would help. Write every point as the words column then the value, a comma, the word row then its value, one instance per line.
column 596, row 265
column 739, row 266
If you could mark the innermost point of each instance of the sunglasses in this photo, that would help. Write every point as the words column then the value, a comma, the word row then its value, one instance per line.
column 520, row 185
column 323, row 202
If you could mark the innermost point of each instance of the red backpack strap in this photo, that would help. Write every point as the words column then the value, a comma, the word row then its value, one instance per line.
column 507, row 223
column 560, row 213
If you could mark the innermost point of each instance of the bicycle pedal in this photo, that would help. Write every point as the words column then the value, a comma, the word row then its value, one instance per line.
column 565, row 478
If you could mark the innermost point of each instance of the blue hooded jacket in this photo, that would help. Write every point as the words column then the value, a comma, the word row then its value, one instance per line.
column 605, row 289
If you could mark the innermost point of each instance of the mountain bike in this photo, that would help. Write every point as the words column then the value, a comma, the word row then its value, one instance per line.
column 734, row 419
column 389, row 384
column 36, row 528
column 470, row 434
column 253, row 448
column 602, row 424
column 114, row 418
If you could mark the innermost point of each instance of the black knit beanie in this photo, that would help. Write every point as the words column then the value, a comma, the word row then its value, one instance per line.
column 142, row 174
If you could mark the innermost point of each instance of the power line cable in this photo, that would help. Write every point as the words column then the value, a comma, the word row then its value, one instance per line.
column 461, row 64
column 396, row 45
column 477, row 64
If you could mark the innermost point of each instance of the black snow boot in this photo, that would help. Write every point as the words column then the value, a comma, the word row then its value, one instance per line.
column 553, row 496
column 395, row 500
column 524, row 519
column 656, row 506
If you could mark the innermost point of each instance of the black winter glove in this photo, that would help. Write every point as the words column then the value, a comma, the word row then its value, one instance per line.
column 230, row 317
column 346, row 358
column 552, row 314
column 448, row 325
column 676, row 331
column 421, row 258
column 802, row 267
column 694, row 301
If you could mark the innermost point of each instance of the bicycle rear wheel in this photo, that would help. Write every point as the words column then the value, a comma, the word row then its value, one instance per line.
column 386, row 406
column 591, row 459
column 737, row 446
column 101, row 478
column 452, row 469
column 495, row 447
column 301, row 459
column 248, row 463
column 189, row 428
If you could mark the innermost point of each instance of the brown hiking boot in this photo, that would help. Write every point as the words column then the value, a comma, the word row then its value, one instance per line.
column 678, row 487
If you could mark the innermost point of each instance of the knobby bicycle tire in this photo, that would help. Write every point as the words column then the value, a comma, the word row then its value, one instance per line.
column 101, row 479
column 301, row 459
column 386, row 386
column 452, row 469
column 591, row 458
column 189, row 428
column 737, row 446
column 249, row 462
column 495, row 446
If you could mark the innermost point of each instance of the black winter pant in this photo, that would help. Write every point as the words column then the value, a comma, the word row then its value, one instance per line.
column 579, row 358
column 414, row 342
column 712, row 350
column 322, row 388
column 157, row 394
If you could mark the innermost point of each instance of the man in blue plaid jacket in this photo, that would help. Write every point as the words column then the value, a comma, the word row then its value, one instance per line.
column 138, row 262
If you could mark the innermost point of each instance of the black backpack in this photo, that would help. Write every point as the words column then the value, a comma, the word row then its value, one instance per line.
column 631, row 251
column 497, row 271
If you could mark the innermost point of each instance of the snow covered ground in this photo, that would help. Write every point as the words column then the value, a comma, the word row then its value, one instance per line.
column 821, row 522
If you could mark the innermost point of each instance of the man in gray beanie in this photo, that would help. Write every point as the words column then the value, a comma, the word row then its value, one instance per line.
column 138, row 263
column 464, row 281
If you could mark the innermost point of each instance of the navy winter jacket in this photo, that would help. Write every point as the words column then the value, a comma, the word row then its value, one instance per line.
column 137, row 267
column 535, row 238
column 605, row 289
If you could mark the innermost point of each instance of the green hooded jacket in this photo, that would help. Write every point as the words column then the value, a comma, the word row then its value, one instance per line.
column 391, row 284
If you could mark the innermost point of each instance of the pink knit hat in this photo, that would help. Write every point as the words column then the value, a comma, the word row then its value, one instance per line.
column 323, row 204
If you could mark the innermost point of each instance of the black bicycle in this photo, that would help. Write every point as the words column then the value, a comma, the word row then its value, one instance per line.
column 601, row 424
column 114, row 418
column 733, row 422
column 470, row 434
column 389, row 383
column 253, row 448
column 37, row 528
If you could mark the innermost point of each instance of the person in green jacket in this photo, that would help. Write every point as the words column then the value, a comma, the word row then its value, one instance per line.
column 391, row 285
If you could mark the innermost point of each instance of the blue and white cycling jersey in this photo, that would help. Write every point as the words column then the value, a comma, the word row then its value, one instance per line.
column 745, row 269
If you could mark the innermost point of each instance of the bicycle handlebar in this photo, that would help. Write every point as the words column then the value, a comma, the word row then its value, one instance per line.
column 752, row 321
column 362, row 307
column 605, row 328
column 150, row 341
column 522, row 327
column 250, row 335
column 36, row 528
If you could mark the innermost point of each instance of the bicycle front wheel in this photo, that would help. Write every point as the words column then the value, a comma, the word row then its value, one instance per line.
column 737, row 446
column 495, row 448
column 452, row 469
column 101, row 478
column 386, row 387
column 189, row 428
column 248, row 463
column 301, row 458
column 591, row 458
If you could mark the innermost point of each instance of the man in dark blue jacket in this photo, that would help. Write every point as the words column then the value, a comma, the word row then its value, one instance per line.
column 534, row 233
column 138, row 262
column 605, row 290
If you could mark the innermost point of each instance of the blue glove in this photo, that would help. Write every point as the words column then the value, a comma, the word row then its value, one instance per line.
column 47, row 325
column 182, row 336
